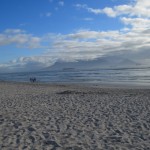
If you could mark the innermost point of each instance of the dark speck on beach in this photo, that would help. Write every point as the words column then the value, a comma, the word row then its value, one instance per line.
column 32, row 139
column 51, row 143
column 46, row 135
column 31, row 129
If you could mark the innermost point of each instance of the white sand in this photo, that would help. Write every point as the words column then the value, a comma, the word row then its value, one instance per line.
column 71, row 117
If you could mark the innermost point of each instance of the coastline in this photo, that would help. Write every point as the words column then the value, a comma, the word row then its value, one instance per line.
column 73, row 116
column 117, row 85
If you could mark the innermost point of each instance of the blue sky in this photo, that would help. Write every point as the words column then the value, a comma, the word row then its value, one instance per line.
column 41, row 17
column 44, row 31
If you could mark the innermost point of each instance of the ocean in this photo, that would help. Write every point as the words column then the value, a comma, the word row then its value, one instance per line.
column 122, row 75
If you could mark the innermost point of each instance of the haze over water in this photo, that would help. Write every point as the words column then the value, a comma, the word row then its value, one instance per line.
column 111, row 76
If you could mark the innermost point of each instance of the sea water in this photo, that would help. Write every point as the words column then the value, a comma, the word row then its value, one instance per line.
column 139, row 76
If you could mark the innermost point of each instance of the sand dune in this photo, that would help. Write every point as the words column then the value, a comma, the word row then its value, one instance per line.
column 73, row 117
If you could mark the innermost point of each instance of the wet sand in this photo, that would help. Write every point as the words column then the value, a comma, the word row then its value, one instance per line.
column 73, row 117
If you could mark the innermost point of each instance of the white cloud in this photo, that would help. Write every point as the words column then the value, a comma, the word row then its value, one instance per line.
column 56, row 8
column 20, row 38
column 109, row 11
column 13, row 31
column 48, row 14
column 87, row 45
column 61, row 3
column 136, row 22
column 95, row 11
column 131, row 41
column 134, row 37
column 92, row 10
column 28, row 63
column 86, row 34
column 88, row 19
column 140, row 8
column 23, row 24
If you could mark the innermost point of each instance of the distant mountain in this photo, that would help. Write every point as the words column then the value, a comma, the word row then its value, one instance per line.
column 108, row 62
column 128, row 63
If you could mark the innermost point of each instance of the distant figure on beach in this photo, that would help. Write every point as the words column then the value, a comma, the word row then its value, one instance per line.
column 33, row 79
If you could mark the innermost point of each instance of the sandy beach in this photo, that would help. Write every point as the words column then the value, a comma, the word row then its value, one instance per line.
column 73, row 117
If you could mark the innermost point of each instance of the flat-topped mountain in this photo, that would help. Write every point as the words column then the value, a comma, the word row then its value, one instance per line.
column 111, row 62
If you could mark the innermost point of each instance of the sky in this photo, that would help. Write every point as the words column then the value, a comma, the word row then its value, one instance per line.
column 35, row 34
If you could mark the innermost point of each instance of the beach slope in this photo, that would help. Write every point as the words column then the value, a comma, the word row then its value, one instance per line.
column 73, row 117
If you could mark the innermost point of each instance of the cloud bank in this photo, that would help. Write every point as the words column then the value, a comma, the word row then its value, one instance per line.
column 132, row 41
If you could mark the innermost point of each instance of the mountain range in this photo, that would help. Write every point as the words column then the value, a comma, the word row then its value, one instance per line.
column 99, row 63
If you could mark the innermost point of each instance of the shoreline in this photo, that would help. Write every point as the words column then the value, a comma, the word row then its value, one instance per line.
column 117, row 85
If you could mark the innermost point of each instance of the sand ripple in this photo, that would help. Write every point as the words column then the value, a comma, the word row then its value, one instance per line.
column 53, row 117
